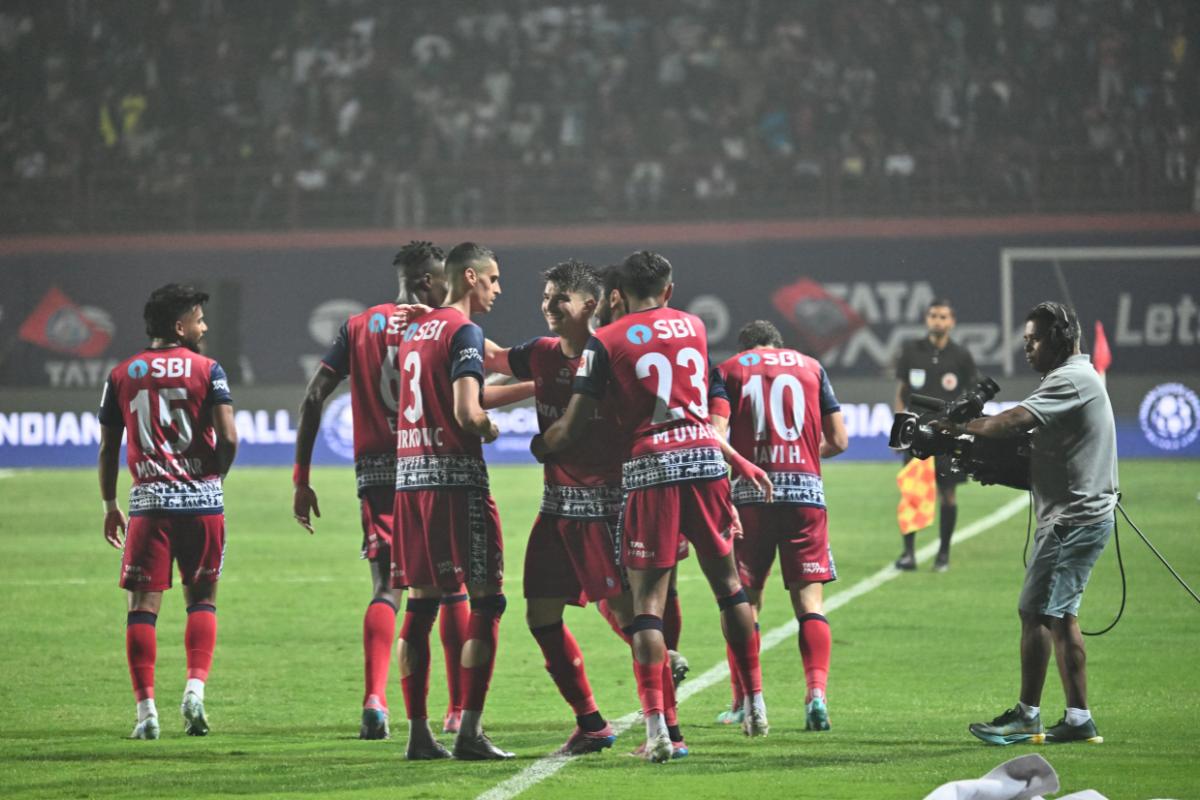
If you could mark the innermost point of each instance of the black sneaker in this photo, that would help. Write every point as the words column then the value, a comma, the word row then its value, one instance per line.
column 478, row 748
column 1009, row 728
column 942, row 562
column 1063, row 732
column 906, row 563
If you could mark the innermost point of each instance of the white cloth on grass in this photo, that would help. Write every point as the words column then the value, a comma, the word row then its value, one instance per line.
column 1023, row 778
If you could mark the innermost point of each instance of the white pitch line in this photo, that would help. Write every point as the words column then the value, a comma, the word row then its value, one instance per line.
column 543, row 768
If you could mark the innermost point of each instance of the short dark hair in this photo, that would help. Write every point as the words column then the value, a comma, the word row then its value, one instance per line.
column 610, row 278
column 645, row 274
column 1060, row 324
column 413, row 256
column 939, row 302
column 759, row 333
column 167, row 304
column 574, row 276
column 463, row 255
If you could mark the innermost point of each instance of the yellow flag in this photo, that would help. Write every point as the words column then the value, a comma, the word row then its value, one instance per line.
column 918, row 495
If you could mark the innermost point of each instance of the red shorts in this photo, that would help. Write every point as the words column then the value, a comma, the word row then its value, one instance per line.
column 578, row 559
column 195, row 542
column 378, row 505
column 657, row 523
column 447, row 537
column 799, row 533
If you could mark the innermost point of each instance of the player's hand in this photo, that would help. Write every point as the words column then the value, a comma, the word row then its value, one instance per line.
column 114, row 528
column 410, row 311
column 537, row 446
column 492, row 433
column 304, row 501
column 735, row 527
column 749, row 471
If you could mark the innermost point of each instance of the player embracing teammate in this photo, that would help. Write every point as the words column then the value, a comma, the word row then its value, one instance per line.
column 651, row 366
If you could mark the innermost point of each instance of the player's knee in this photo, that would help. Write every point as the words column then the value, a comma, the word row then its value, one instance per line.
column 733, row 599
column 492, row 605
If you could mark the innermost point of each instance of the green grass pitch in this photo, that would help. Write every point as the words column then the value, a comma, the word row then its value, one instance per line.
column 914, row 661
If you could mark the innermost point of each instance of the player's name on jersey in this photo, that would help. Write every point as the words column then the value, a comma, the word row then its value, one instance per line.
column 160, row 466
column 420, row 437
column 685, row 433
column 778, row 454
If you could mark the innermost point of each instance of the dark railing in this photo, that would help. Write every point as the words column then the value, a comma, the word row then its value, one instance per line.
column 509, row 193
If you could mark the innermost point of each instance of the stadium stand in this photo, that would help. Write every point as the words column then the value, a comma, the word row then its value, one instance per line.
column 166, row 115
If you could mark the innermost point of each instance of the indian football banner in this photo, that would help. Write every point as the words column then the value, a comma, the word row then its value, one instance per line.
column 918, row 495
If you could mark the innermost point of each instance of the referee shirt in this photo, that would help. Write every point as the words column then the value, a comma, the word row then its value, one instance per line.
column 943, row 374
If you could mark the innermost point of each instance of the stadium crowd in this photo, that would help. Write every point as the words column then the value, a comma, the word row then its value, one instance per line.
column 434, row 111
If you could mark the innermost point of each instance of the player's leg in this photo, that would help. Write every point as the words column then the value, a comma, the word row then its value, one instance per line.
column 141, row 651
column 198, row 544
column 379, row 634
column 413, row 657
column 478, row 551
column 806, row 562
column 815, row 645
column 672, row 629
column 648, row 588
column 908, row 556
column 453, row 618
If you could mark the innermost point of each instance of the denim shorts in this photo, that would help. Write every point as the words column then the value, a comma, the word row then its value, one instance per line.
column 1058, row 572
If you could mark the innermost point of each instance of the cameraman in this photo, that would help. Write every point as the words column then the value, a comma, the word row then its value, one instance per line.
column 938, row 367
column 1073, row 475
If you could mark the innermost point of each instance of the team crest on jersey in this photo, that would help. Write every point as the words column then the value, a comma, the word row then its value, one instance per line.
column 377, row 323
column 138, row 369
column 749, row 359
column 639, row 334
column 916, row 378
column 949, row 381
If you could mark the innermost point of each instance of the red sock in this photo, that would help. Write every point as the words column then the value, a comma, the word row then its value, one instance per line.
column 200, row 639
column 141, row 649
column 418, row 622
column 564, row 662
column 670, row 710
column 650, row 685
column 735, row 685
column 452, row 626
column 606, row 611
column 672, row 620
column 379, row 631
column 743, row 648
column 484, row 626
column 815, row 644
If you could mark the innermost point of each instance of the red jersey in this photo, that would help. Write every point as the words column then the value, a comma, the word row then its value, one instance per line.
column 432, row 450
column 584, row 481
column 164, row 399
column 652, row 367
column 777, row 399
column 362, row 352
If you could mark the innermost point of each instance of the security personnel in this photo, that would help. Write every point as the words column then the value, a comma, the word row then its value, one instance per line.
column 935, row 366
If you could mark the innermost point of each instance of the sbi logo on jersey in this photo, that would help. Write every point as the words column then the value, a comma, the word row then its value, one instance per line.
column 138, row 369
column 1170, row 416
column 337, row 427
column 749, row 359
column 377, row 323
column 409, row 331
column 639, row 334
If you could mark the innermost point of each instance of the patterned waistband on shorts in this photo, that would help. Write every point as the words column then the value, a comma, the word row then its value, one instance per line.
column 581, row 502
column 440, row 472
column 375, row 470
column 177, row 497
column 802, row 488
column 673, row 466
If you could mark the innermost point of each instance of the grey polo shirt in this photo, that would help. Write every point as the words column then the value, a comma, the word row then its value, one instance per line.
column 1074, row 461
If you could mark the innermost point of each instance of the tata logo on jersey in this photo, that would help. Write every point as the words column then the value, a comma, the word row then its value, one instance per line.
column 749, row 359
column 377, row 323
column 639, row 334
column 161, row 368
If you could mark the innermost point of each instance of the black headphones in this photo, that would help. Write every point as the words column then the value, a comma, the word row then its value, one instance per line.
column 1063, row 332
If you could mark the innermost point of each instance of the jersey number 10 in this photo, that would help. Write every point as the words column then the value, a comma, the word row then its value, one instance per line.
column 775, row 396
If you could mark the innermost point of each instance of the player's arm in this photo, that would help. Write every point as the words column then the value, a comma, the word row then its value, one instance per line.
column 495, row 358
column 497, row 395
column 834, row 438
column 719, row 401
column 108, row 466
column 304, row 499
column 469, row 413
column 568, row 429
column 227, row 437
column 746, row 469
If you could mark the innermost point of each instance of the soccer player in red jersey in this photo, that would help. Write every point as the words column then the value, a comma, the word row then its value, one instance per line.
column 361, row 353
column 652, row 365
column 785, row 418
column 448, row 526
column 175, row 404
